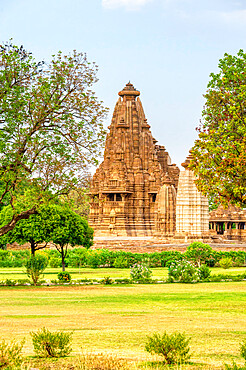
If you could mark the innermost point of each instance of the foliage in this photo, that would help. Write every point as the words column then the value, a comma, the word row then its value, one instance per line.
column 51, row 344
column 64, row 277
column 55, row 262
column 35, row 266
column 183, row 272
column 120, row 262
column 204, row 272
column 66, row 228
column 219, row 154
column 225, row 262
column 173, row 347
column 243, row 349
column 51, row 128
column 140, row 272
column 198, row 252
column 10, row 354
column 107, row 280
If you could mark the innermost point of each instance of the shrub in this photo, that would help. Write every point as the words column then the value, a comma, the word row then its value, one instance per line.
column 225, row 262
column 140, row 272
column 55, row 262
column 204, row 272
column 120, row 262
column 64, row 277
column 35, row 266
column 174, row 347
column 10, row 354
column 183, row 272
column 107, row 280
column 48, row 344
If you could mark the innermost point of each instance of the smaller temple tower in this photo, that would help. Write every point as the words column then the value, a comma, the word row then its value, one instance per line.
column 192, row 215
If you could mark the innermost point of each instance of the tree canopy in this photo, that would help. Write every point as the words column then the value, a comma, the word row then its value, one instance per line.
column 219, row 154
column 51, row 128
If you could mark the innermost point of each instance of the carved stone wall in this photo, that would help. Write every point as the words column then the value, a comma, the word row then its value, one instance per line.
column 125, row 187
column 192, row 216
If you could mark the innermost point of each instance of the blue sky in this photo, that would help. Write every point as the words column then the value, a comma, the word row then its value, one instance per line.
column 166, row 48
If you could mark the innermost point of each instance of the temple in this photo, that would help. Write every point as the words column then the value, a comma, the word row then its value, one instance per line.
column 137, row 192
column 133, row 192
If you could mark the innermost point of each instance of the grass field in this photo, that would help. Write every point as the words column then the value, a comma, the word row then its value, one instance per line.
column 116, row 319
column 89, row 273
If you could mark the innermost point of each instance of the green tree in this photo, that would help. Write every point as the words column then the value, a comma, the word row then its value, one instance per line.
column 198, row 252
column 51, row 128
column 33, row 230
column 66, row 228
column 219, row 154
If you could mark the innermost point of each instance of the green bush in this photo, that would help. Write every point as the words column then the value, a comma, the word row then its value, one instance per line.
column 140, row 272
column 107, row 280
column 173, row 347
column 35, row 266
column 10, row 354
column 64, row 277
column 183, row 272
column 48, row 344
column 225, row 262
column 120, row 262
column 204, row 272
column 55, row 262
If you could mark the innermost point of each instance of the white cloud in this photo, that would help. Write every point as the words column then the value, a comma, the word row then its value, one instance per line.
column 128, row 4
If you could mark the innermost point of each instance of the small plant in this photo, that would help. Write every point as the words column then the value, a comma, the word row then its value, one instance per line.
column 10, row 354
column 140, row 272
column 48, row 344
column 174, row 347
column 204, row 272
column 35, row 266
column 64, row 277
column 183, row 272
column 107, row 280
column 225, row 262
column 234, row 366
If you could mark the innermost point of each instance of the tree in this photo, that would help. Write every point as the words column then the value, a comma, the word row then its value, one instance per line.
column 198, row 252
column 32, row 230
column 51, row 128
column 219, row 154
column 66, row 228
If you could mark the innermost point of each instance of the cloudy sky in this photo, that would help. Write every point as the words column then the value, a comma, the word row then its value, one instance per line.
column 166, row 48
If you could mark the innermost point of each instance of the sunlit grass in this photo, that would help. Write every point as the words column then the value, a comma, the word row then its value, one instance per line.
column 99, row 273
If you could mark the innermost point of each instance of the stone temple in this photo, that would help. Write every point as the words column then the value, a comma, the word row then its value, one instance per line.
column 134, row 190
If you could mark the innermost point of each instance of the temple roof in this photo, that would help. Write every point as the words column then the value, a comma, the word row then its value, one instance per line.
column 129, row 89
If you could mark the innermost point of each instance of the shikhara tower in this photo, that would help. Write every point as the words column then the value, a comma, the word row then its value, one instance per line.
column 133, row 192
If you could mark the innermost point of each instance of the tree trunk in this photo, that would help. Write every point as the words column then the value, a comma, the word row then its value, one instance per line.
column 33, row 247
column 63, row 259
column 22, row 216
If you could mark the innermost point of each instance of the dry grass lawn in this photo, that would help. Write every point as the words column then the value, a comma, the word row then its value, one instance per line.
column 116, row 319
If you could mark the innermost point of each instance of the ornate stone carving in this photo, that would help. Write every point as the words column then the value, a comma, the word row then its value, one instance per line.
column 192, row 216
column 134, row 174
